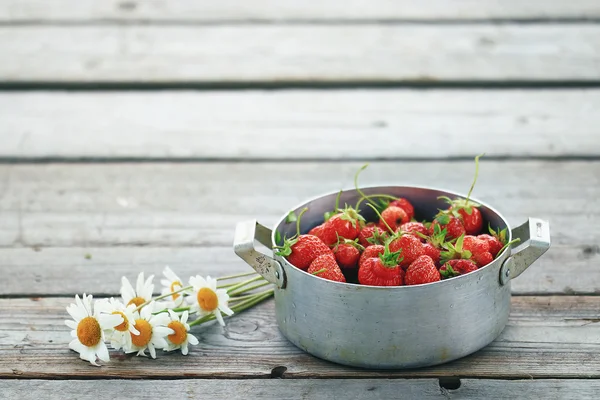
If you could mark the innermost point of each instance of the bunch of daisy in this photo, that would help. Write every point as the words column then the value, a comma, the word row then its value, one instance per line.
column 138, row 321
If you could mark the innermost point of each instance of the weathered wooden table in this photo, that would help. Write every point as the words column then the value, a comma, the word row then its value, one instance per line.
column 135, row 135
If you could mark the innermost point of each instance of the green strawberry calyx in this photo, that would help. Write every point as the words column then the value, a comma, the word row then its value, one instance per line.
column 446, row 271
column 354, row 243
column 437, row 238
column 350, row 214
column 286, row 249
column 499, row 234
column 455, row 251
column 390, row 259
column 377, row 238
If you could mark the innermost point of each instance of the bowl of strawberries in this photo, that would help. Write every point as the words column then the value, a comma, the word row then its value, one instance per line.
column 392, row 276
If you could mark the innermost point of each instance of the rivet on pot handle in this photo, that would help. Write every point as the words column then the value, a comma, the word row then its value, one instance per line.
column 243, row 245
column 535, row 240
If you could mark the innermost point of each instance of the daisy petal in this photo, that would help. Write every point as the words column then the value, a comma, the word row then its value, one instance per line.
column 127, row 292
column 163, row 331
column 184, row 317
column 219, row 317
column 108, row 321
column 102, row 352
column 71, row 324
column 192, row 339
column 76, row 345
column 133, row 330
column 225, row 309
column 76, row 312
column 152, row 350
column 184, row 349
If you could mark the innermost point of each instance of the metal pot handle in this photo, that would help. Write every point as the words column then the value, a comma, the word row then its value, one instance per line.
column 535, row 240
column 243, row 245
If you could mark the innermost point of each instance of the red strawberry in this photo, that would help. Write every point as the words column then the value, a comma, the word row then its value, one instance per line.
column 432, row 251
column 410, row 248
column 457, row 267
column 494, row 244
column 415, row 227
column 370, row 235
column 422, row 270
column 370, row 252
column 496, row 241
column 472, row 219
column 347, row 253
column 480, row 250
column 346, row 224
column 317, row 231
column 406, row 206
column 434, row 243
column 325, row 267
column 453, row 225
column 301, row 250
column 466, row 210
column 393, row 217
column 382, row 270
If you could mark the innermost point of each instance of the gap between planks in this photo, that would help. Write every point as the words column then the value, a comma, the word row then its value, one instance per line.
column 286, row 11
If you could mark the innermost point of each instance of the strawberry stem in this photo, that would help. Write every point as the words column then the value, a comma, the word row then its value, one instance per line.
column 381, row 218
column 305, row 209
column 319, row 271
column 474, row 179
column 362, row 194
column 337, row 201
column 517, row 240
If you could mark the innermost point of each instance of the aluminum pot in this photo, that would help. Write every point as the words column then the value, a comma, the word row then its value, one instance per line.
column 391, row 327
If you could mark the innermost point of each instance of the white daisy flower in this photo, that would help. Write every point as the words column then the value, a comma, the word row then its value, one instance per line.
column 180, row 338
column 120, row 336
column 171, row 284
column 142, row 293
column 88, row 329
column 152, row 332
column 207, row 299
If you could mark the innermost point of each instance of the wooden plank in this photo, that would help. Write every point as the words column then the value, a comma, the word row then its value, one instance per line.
column 289, row 10
column 65, row 271
column 546, row 337
column 198, row 204
column 292, row 389
column 300, row 53
column 298, row 124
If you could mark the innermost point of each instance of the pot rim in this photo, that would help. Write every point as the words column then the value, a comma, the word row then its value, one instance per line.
column 479, row 271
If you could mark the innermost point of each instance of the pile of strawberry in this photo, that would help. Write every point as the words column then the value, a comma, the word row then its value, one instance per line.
column 395, row 249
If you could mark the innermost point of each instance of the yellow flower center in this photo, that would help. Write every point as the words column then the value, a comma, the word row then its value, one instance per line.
column 145, row 330
column 123, row 326
column 180, row 334
column 207, row 299
column 174, row 287
column 89, row 332
column 138, row 301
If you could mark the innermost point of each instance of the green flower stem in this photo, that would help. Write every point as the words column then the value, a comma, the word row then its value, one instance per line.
column 162, row 297
column 246, row 290
column 179, row 309
column 226, row 285
column 223, row 278
column 245, row 297
column 242, row 284
column 244, row 305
